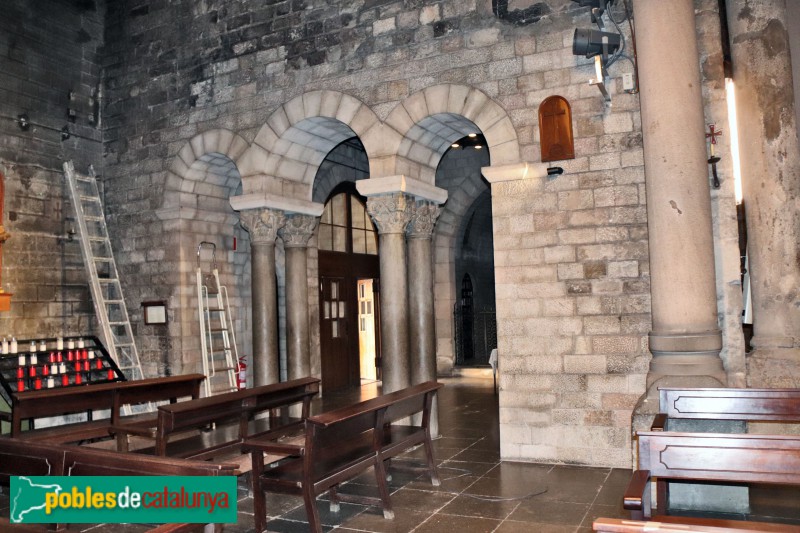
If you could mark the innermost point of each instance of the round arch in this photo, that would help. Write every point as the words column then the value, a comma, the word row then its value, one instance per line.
column 289, row 148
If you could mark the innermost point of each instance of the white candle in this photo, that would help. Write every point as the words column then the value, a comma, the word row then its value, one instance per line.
column 80, row 343
column 60, row 344
column 71, row 344
column 13, row 345
column 34, row 359
column 54, row 368
column 50, row 382
column 33, row 346
column 42, row 346
column 22, row 359
column 5, row 346
column 62, row 368
column 91, row 354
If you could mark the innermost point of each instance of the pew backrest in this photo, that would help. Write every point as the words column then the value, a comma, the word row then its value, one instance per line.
column 666, row 456
column 237, row 406
column 750, row 405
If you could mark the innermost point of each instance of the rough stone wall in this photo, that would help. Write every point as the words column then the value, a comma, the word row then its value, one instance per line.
column 723, row 199
column 48, row 49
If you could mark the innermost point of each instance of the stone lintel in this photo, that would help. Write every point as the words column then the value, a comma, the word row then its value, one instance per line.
column 403, row 184
column 516, row 171
column 280, row 203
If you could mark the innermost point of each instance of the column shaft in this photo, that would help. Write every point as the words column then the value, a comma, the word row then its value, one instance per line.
column 685, row 339
column 391, row 217
column 296, row 234
column 263, row 224
column 421, row 324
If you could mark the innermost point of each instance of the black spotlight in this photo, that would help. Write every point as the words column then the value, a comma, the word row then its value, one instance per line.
column 590, row 43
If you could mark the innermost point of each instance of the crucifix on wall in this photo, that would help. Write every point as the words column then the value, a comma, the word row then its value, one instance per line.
column 555, row 129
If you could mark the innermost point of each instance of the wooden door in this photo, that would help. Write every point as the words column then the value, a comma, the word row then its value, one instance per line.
column 338, row 337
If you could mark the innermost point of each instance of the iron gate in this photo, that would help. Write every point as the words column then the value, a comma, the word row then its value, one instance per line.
column 475, row 335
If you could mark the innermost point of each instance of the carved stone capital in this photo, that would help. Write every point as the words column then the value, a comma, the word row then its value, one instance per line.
column 390, row 213
column 423, row 218
column 297, row 230
column 262, row 224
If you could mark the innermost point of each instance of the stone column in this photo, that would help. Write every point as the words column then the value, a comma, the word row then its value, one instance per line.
column 685, row 340
column 390, row 214
column 296, row 234
column 263, row 226
column 421, row 323
column 770, row 163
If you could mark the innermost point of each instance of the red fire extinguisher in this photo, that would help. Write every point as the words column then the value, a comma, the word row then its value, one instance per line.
column 241, row 377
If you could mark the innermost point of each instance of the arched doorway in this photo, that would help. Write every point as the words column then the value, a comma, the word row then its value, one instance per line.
column 348, row 273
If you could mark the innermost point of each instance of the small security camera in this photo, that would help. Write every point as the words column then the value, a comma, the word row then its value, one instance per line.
column 590, row 43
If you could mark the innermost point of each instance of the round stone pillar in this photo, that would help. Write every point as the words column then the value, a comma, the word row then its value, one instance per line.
column 390, row 214
column 421, row 325
column 770, row 161
column 263, row 224
column 685, row 340
column 295, row 234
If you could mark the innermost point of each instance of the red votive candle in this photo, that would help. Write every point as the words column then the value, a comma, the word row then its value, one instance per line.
column 78, row 379
column 20, row 372
column 45, row 370
column 38, row 384
column 99, row 364
column 64, row 380
column 20, row 385
column 111, row 375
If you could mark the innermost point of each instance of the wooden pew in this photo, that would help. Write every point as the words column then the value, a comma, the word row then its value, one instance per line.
column 339, row 445
column 111, row 396
column 231, row 417
column 614, row 525
column 749, row 405
column 707, row 457
column 19, row 457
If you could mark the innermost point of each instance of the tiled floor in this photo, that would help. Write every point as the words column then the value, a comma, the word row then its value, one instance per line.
column 478, row 493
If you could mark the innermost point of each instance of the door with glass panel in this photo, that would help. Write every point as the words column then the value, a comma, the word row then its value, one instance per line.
column 348, row 268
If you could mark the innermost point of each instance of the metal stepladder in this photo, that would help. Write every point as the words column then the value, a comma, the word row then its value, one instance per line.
column 217, row 338
column 106, row 290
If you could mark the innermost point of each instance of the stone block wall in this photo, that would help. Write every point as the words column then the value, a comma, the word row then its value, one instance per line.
column 49, row 62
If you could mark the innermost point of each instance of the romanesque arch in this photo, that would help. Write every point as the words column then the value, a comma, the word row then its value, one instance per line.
column 420, row 129
column 296, row 138
column 196, row 207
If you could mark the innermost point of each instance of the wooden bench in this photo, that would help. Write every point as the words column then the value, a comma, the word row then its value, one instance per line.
column 85, row 399
column 615, row 525
column 749, row 405
column 338, row 445
column 231, row 415
column 708, row 457
column 20, row 457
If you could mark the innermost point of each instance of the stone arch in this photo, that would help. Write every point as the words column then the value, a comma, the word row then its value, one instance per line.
column 296, row 138
column 196, row 207
column 420, row 129
column 217, row 141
